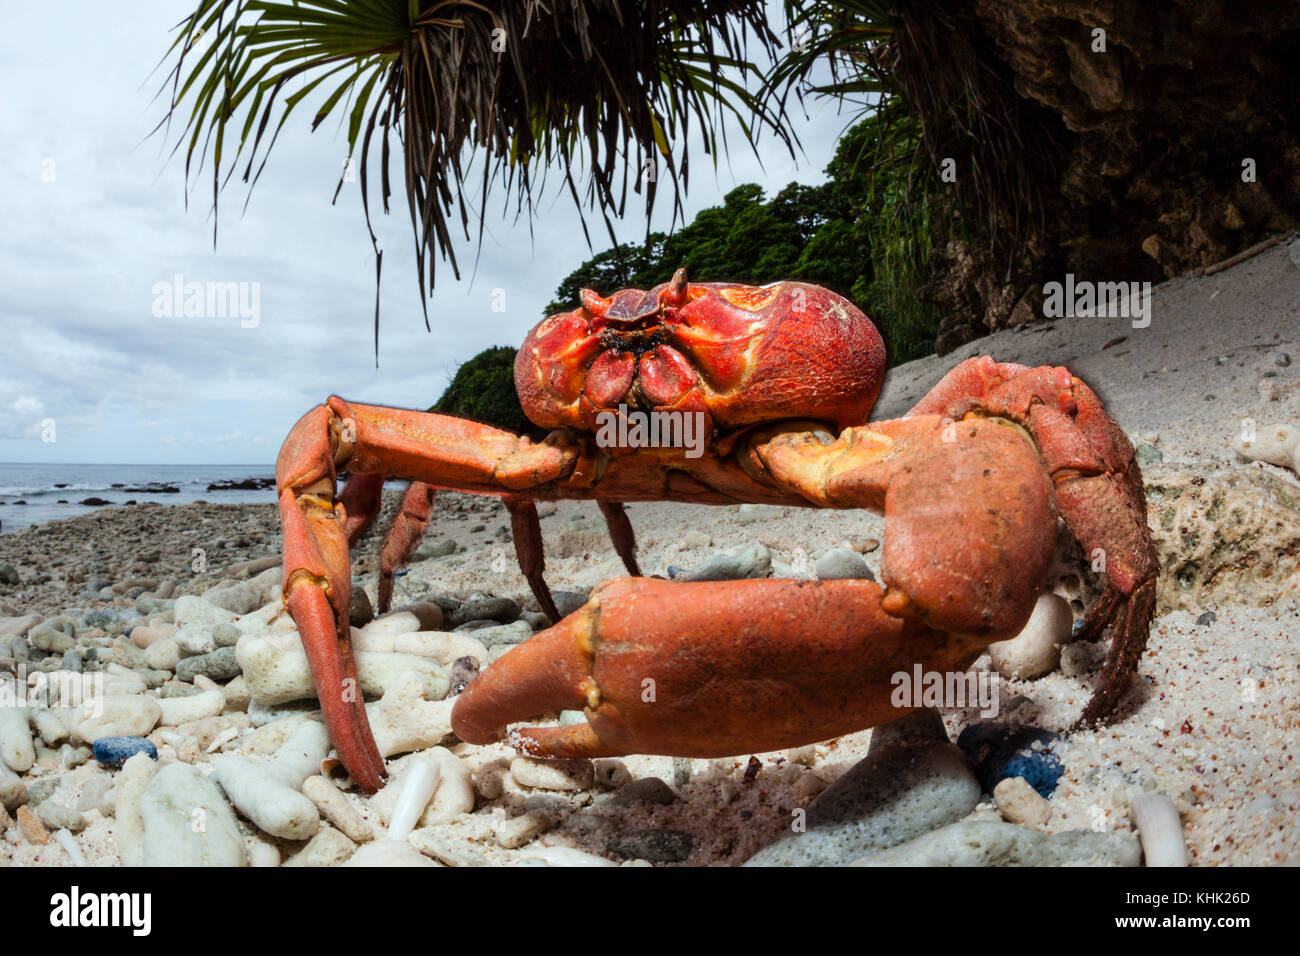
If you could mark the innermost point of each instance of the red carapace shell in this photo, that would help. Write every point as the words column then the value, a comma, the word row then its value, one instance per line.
column 745, row 354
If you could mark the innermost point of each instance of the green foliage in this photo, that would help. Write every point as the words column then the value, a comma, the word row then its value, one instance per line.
column 484, row 389
column 865, row 233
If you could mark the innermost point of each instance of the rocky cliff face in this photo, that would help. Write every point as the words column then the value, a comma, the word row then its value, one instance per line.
column 1175, row 129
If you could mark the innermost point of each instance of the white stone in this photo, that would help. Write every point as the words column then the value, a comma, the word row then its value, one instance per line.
column 1036, row 650
column 980, row 843
column 191, row 611
column 163, row 654
column 1018, row 802
column 266, row 791
column 187, row 822
column 334, row 807
column 16, row 747
column 328, row 847
column 1160, row 829
column 389, row 853
column 552, row 774
column 128, row 826
column 1276, row 444
column 182, row 710
column 453, row 795
column 404, row 721
column 515, row 832
column 122, row 716
column 277, row 675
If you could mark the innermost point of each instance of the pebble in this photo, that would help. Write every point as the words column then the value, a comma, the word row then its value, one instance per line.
column 226, row 635
column 328, row 847
column 1206, row 619
column 191, row 611
column 696, row 539
column 13, row 791
column 515, row 832
column 842, row 563
column 1018, row 802
column 1077, row 659
column 360, row 612
column 277, row 675
column 389, row 853
column 1146, row 455
column 128, row 826
column 16, row 748
column 435, row 549
column 611, row 773
column 43, row 637
column 553, row 774
column 219, row 665
column 499, row 635
column 335, row 808
column 115, row 751
column 658, row 845
column 58, row 817
column 239, row 599
column 890, row 796
column 122, row 716
column 644, row 790
column 452, row 795
column 187, row 822
column 485, row 608
column 163, row 655
column 998, row 751
column 1275, row 444
column 427, row 613
column 1161, row 831
column 182, row 710
column 1036, row 650
column 988, row 843
column 267, row 791
column 753, row 561
column 33, row 829
column 566, row 602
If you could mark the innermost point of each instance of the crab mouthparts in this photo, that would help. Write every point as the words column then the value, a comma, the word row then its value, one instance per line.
column 660, row 376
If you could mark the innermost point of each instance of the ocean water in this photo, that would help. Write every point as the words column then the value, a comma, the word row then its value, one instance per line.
column 44, row 488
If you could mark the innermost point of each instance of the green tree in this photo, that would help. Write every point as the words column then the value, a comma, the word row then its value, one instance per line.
column 484, row 389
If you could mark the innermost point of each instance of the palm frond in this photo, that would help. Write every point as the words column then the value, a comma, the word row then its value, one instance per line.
column 602, row 91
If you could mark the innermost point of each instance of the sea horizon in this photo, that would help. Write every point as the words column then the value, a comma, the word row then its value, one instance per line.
column 36, row 492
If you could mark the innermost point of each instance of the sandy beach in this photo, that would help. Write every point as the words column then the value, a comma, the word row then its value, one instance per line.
column 1211, row 723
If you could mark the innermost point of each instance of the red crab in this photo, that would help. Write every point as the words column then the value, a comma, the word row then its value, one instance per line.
column 971, row 482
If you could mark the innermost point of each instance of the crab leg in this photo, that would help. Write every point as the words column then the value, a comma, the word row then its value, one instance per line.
column 715, row 668
column 403, row 538
column 706, row 669
column 439, row 450
column 620, row 532
column 526, row 529
column 1099, row 491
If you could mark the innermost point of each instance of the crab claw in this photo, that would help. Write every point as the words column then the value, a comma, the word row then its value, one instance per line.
column 706, row 669
column 335, row 672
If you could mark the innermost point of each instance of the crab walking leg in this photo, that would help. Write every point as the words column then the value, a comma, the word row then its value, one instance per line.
column 437, row 449
column 1098, row 488
column 403, row 538
column 526, row 529
column 317, row 589
column 707, row 669
column 716, row 668
column 361, row 498
column 620, row 532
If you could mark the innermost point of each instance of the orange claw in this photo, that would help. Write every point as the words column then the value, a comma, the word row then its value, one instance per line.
column 706, row 669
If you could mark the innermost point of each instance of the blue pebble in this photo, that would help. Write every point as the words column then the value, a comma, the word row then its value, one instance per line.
column 999, row 751
column 115, row 751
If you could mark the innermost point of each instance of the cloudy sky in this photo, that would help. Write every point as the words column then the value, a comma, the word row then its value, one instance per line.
column 95, row 220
